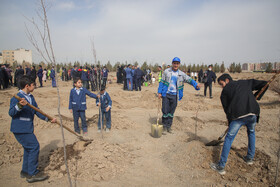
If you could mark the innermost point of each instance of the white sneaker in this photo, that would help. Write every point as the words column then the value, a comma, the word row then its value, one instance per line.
column 107, row 130
column 99, row 130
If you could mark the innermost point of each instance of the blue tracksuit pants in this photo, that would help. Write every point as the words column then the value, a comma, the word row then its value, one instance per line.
column 107, row 117
column 169, row 104
column 79, row 114
column 31, row 148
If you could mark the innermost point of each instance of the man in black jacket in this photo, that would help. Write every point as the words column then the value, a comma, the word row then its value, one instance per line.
column 211, row 76
column 241, row 108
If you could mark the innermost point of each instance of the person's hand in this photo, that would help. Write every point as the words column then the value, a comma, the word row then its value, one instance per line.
column 53, row 120
column 198, row 86
column 71, row 111
column 23, row 102
column 98, row 96
column 107, row 109
column 99, row 104
column 159, row 96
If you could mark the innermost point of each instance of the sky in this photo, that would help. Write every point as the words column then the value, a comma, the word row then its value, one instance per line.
column 155, row 31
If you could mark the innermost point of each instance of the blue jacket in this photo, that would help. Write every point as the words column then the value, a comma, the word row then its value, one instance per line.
column 40, row 73
column 22, row 119
column 105, row 101
column 211, row 76
column 78, row 102
column 84, row 76
column 138, row 73
column 52, row 75
column 105, row 73
column 182, row 77
column 129, row 73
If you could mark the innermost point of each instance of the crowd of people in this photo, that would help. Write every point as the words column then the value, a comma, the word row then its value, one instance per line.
column 132, row 77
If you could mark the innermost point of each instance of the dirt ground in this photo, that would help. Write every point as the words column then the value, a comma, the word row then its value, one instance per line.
column 129, row 156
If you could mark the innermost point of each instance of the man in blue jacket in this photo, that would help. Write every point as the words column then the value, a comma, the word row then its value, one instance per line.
column 138, row 74
column 171, row 89
column 77, row 104
column 52, row 75
column 40, row 75
column 23, row 128
column 129, row 77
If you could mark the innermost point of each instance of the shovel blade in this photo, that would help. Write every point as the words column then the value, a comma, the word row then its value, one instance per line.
column 214, row 143
column 156, row 130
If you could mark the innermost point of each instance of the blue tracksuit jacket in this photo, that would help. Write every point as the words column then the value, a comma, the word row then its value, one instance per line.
column 22, row 120
column 105, row 101
column 78, row 102
column 182, row 77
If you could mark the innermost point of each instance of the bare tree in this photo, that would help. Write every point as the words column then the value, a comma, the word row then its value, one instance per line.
column 47, row 53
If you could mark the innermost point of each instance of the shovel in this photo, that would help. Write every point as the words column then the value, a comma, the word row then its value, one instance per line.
column 219, row 140
column 50, row 118
column 156, row 128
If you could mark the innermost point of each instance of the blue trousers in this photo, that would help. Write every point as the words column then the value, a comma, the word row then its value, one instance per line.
column 169, row 104
column 53, row 82
column 107, row 117
column 131, row 82
column 31, row 148
column 234, row 126
column 79, row 114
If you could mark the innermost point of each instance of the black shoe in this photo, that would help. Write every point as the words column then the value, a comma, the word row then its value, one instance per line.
column 248, row 161
column 169, row 130
column 211, row 97
column 23, row 174
column 164, row 130
column 218, row 168
column 38, row 177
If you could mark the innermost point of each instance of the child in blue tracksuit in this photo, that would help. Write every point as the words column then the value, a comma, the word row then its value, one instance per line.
column 23, row 129
column 77, row 104
column 106, row 105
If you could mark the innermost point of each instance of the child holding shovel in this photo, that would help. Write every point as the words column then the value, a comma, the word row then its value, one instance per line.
column 23, row 129
column 241, row 108
column 106, row 105
column 77, row 104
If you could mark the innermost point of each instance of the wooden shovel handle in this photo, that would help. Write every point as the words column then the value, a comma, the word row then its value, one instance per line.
column 48, row 116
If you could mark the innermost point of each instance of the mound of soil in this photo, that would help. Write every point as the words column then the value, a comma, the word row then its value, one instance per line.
column 193, row 157
column 97, row 161
column 10, row 150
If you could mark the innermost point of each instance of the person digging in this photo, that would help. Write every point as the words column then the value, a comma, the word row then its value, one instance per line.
column 171, row 89
column 241, row 108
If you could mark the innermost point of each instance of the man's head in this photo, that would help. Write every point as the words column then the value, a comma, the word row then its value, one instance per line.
column 26, row 83
column 210, row 67
column 224, row 79
column 159, row 68
column 176, row 63
column 78, row 82
column 40, row 67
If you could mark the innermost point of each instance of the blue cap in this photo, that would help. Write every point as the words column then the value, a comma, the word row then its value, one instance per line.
column 176, row 59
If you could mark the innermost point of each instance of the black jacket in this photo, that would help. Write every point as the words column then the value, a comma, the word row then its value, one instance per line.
column 211, row 76
column 238, row 99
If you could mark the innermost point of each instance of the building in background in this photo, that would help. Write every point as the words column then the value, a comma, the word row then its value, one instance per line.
column 18, row 55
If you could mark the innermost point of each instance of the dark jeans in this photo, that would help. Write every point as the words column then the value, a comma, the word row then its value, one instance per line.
column 41, row 82
column 138, row 84
column 79, row 114
column 107, row 117
column 210, row 89
column 169, row 104
column 104, row 81
column 31, row 148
